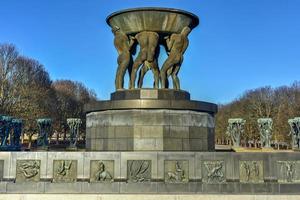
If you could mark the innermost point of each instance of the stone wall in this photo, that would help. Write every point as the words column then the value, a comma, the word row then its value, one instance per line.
column 144, row 197
column 149, row 130
column 150, row 172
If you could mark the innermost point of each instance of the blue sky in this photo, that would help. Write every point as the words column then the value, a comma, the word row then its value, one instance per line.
column 239, row 45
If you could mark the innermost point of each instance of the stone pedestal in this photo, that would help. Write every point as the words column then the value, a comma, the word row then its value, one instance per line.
column 150, row 120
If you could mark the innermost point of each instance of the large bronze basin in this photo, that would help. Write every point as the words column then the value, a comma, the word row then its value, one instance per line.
column 162, row 20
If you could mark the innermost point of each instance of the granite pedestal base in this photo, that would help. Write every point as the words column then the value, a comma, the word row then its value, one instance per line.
column 149, row 130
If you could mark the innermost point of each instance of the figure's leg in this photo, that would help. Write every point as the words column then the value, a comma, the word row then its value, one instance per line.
column 153, row 44
column 5, row 140
column 176, row 83
column 129, row 70
column 155, row 71
column 97, row 176
column 169, row 73
column 142, row 73
column 138, row 61
column 109, row 176
column 163, row 73
column 123, row 64
column 118, row 80
column 75, row 141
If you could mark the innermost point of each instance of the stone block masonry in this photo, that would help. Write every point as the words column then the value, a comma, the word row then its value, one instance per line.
column 150, row 173
column 150, row 130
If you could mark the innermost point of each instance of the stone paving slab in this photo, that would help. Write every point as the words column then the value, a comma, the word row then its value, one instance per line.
column 144, row 197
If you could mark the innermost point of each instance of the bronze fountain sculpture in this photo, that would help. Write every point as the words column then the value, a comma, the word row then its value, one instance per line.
column 149, row 28
column 147, row 140
column 140, row 35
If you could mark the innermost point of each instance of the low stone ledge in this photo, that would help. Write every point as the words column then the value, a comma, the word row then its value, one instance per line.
column 289, row 188
column 26, row 187
column 200, row 106
column 259, row 188
column 178, row 188
column 149, row 188
column 143, row 197
column 145, row 188
column 147, row 93
column 3, row 187
column 68, row 188
column 101, row 188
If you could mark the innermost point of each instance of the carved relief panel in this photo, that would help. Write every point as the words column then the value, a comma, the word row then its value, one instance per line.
column 64, row 170
column 102, row 171
column 251, row 171
column 288, row 171
column 28, row 170
column 138, row 170
column 213, row 171
column 176, row 171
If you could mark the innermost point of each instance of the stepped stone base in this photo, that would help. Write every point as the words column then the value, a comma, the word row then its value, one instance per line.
column 150, row 120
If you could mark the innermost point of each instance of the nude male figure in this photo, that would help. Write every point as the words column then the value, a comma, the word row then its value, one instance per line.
column 176, row 46
column 148, row 42
column 144, row 69
column 123, row 46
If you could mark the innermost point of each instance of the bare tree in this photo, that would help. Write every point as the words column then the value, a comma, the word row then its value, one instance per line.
column 71, row 97
column 8, row 59
column 280, row 104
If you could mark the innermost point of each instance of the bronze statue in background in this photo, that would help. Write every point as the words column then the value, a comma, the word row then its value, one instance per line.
column 123, row 45
column 176, row 46
column 148, row 42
